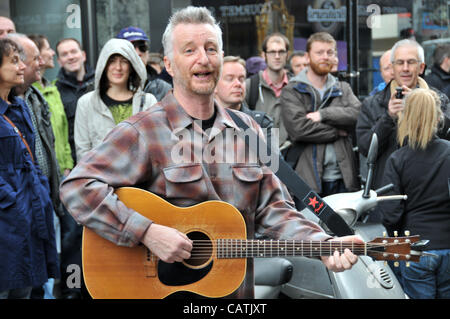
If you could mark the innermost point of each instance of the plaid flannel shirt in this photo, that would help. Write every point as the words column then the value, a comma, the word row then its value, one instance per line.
column 140, row 151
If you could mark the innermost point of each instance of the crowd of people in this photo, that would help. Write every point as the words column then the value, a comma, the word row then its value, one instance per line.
column 67, row 143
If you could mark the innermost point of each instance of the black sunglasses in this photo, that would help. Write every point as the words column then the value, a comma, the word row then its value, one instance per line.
column 141, row 45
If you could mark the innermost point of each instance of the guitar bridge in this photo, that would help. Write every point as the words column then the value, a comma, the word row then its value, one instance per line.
column 149, row 263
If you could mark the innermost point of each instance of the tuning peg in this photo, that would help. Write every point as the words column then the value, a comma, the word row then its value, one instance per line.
column 408, row 264
column 396, row 264
column 395, row 233
column 407, row 233
column 384, row 234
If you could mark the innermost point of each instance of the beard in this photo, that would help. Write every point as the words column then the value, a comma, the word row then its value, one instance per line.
column 320, row 69
column 187, row 81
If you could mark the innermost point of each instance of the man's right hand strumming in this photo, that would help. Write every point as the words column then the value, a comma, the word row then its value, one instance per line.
column 167, row 243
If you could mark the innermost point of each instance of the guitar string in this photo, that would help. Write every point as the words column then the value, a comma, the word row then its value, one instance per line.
column 312, row 252
column 204, row 248
column 244, row 255
column 297, row 242
column 305, row 252
column 309, row 250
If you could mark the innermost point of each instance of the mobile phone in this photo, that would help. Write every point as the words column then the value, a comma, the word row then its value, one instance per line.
column 399, row 93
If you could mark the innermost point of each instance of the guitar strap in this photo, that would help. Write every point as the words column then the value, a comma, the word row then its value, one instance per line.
column 297, row 186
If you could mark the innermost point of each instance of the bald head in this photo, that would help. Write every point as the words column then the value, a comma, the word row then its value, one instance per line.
column 6, row 27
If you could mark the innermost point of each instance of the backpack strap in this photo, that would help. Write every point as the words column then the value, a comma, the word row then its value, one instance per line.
column 254, row 88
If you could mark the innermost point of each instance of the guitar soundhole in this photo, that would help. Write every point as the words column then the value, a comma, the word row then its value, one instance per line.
column 202, row 249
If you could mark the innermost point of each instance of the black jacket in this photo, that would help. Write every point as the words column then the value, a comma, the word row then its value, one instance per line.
column 71, row 90
column 374, row 118
column 156, row 86
column 439, row 79
column 424, row 176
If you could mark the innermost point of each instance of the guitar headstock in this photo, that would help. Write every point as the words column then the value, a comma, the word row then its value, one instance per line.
column 396, row 248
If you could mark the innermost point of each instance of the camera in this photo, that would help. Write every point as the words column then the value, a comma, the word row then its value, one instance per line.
column 399, row 93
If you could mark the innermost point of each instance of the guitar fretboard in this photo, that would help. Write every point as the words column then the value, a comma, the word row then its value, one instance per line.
column 241, row 248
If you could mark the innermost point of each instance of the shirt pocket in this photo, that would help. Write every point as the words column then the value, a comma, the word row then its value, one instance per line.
column 246, row 186
column 185, row 183
column 12, row 148
column 13, row 162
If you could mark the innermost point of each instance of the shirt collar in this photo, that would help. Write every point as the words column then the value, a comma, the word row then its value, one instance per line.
column 179, row 119
column 4, row 105
column 271, row 84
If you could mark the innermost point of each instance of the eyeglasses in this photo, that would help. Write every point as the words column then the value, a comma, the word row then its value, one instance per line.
column 275, row 53
column 329, row 53
column 141, row 45
column 409, row 62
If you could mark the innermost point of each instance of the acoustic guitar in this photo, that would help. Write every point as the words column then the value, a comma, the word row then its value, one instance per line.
column 218, row 260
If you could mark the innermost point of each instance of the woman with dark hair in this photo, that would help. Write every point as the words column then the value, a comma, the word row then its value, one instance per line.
column 28, row 256
column 421, row 170
column 119, row 82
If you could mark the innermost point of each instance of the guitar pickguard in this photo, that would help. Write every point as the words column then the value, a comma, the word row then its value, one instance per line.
column 177, row 274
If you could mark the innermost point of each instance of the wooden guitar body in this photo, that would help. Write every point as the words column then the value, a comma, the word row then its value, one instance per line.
column 113, row 272
column 218, row 262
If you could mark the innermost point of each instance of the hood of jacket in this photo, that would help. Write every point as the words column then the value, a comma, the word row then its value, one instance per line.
column 125, row 49
column 303, row 85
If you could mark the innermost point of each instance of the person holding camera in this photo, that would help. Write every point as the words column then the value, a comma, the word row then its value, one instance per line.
column 379, row 113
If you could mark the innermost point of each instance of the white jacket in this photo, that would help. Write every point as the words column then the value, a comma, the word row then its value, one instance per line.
column 93, row 119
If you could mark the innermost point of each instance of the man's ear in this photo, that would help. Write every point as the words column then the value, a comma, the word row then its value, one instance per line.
column 168, row 65
column 83, row 53
column 263, row 55
column 422, row 68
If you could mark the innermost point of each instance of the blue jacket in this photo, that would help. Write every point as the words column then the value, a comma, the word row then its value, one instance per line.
column 28, row 254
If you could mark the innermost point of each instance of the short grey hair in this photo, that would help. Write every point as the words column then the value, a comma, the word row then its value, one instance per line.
column 18, row 38
column 408, row 42
column 189, row 15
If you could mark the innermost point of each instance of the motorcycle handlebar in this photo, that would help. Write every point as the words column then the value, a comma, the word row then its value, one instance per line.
column 384, row 189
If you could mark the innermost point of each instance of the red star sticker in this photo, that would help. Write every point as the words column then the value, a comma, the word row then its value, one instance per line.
column 313, row 202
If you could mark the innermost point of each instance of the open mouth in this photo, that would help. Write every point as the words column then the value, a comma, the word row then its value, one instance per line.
column 202, row 75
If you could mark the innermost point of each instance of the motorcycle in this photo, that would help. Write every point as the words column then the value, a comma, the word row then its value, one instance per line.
column 301, row 277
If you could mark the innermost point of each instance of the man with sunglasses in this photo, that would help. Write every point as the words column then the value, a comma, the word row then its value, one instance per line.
column 139, row 39
column 379, row 113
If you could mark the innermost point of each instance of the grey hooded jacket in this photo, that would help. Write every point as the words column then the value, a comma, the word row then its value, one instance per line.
column 93, row 119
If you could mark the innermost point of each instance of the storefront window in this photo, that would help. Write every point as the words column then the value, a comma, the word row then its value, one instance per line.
column 245, row 23
column 114, row 15
column 381, row 23
column 54, row 19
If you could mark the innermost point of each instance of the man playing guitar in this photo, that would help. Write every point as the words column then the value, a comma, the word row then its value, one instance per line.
column 172, row 151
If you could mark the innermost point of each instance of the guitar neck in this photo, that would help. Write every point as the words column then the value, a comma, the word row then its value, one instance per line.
column 237, row 248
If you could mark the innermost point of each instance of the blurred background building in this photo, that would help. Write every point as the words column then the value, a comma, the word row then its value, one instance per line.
column 364, row 29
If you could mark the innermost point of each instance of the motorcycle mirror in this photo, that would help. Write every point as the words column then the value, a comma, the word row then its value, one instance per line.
column 371, row 158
